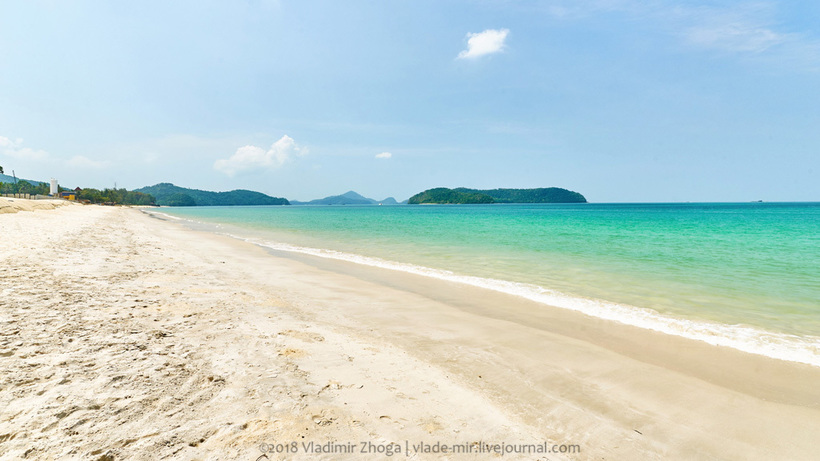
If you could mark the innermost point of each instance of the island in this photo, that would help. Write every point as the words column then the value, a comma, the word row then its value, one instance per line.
column 167, row 194
column 463, row 195
column 348, row 198
column 443, row 195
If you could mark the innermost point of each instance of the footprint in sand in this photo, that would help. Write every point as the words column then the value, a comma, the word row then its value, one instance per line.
column 431, row 425
column 292, row 353
column 322, row 420
column 303, row 335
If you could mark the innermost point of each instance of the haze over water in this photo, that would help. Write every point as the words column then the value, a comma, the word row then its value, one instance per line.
column 712, row 270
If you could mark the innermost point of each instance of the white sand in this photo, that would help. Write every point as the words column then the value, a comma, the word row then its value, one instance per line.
column 126, row 337
column 14, row 205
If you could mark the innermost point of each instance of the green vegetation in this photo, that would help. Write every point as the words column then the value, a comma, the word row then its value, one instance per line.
column 540, row 195
column 445, row 195
column 180, row 200
column 463, row 195
column 115, row 197
column 24, row 187
column 12, row 180
column 12, row 185
column 170, row 195
column 107, row 196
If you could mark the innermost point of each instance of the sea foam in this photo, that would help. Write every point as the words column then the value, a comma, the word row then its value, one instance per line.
column 793, row 348
column 747, row 339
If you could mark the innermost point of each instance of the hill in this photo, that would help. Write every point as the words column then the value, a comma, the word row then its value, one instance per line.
column 463, row 195
column 8, row 179
column 170, row 195
column 540, row 195
column 348, row 198
column 450, row 196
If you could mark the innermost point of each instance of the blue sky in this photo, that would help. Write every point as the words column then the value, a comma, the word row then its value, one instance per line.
column 621, row 100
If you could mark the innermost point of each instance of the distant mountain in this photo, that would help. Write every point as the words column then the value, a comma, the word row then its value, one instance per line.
column 170, row 195
column 10, row 179
column 463, row 195
column 348, row 198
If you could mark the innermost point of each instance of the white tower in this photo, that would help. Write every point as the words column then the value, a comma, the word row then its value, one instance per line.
column 54, row 190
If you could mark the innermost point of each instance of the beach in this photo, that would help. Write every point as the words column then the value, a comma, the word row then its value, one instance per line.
column 126, row 336
column 16, row 205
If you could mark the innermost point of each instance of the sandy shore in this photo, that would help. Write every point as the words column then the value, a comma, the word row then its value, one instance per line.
column 123, row 336
column 15, row 205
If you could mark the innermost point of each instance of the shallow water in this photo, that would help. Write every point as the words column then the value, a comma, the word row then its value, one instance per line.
column 742, row 275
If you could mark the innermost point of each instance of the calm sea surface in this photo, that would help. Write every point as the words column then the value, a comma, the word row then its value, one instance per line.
column 740, row 275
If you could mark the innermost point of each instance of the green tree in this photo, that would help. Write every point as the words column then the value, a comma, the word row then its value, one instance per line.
column 445, row 195
column 116, row 196
column 180, row 200
column 42, row 189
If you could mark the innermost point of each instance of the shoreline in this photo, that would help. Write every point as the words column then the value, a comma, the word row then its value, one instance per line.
column 745, row 338
column 773, row 345
column 245, row 345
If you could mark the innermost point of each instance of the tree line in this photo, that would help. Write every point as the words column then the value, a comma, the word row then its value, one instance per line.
column 105, row 196
column 23, row 187
column 116, row 197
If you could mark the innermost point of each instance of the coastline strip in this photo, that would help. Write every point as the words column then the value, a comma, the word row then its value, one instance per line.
column 779, row 346
column 130, row 337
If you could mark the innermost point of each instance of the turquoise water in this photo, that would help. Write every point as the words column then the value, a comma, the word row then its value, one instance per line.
column 747, row 272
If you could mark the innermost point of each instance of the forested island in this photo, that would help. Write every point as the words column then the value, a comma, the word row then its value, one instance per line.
column 441, row 195
column 463, row 195
column 167, row 194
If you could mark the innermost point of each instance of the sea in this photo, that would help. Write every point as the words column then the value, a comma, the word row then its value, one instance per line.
column 740, row 275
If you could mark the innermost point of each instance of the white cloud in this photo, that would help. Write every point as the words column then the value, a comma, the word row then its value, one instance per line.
column 744, row 28
column 735, row 37
column 253, row 157
column 27, row 153
column 40, row 159
column 483, row 43
column 384, row 155
column 14, row 148
column 6, row 143
column 81, row 161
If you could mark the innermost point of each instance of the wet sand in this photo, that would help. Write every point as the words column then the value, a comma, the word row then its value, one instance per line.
column 123, row 336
